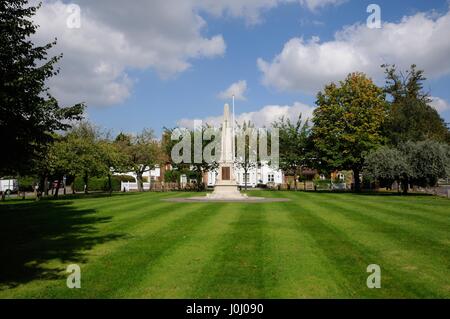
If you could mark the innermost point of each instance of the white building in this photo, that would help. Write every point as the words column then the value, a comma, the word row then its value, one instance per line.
column 151, row 175
column 263, row 174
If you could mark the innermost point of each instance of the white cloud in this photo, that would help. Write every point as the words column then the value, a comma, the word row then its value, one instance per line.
column 307, row 65
column 164, row 36
column 237, row 89
column 316, row 4
column 440, row 105
column 114, row 38
column 251, row 10
column 261, row 118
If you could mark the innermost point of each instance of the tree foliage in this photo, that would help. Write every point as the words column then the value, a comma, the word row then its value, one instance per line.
column 348, row 122
column 84, row 151
column 246, row 149
column 411, row 164
column 411, row 118
column 387, row 165
column 195, row 167
column 29, row 114
column 295, row 146
column 140, row 153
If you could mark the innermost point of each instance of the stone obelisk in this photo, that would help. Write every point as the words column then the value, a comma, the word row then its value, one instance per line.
column 226, row 186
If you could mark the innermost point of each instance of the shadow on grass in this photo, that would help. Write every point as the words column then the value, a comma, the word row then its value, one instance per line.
column 33, row 235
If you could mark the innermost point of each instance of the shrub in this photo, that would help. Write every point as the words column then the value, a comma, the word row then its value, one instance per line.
column 322, row 183
column 98, row 184
column 26, row 184
column 124, row 178
column 172, row 176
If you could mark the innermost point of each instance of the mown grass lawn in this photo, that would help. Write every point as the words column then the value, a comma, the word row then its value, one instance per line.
column 139, row 246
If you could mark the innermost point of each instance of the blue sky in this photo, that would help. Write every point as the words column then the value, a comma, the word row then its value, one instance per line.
column 153, row 97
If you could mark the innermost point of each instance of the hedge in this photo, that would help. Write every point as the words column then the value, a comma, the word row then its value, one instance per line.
column 101, row 183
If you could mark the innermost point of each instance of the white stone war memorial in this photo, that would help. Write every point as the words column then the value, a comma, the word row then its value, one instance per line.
column 226, row 187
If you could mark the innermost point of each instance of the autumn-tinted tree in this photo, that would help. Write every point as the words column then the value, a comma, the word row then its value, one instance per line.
column 29, row 114
column 348, row 123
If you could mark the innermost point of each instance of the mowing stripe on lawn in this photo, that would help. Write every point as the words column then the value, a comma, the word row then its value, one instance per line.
column 441, row 208
column 399, row 228
column 437, row 214
column 132, row 211
column 103, row 227
column 399, row 214
column 120, row 271
column 299, row 268
column 237, row 269
column 98, row 204
column 342, row 255
column 403, row 215
column 362, row 233
column 152, row 222
column 402, row 243
column 350, row 258
column 177, row 273
column 152, row 247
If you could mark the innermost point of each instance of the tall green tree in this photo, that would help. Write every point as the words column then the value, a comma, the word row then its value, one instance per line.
column 411, row 118
column 84, row 151
column 348, row 123
column 88, row 154
column 295, row 146
column 29, row 114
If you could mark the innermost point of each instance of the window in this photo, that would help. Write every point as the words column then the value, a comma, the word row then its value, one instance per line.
column 271, row 178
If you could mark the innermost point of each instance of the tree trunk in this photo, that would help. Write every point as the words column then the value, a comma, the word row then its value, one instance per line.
column 296, row 179
column 58, row 185
column 45, row 185
column 405, row 187
column 245, row 179
column 140, row 183
column 3, row 196
column 110, row 185
column 86, row 181
column 357, row 181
